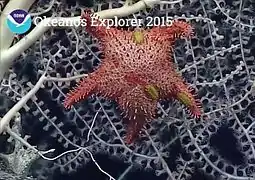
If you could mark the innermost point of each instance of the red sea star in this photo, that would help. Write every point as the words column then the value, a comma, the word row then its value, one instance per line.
column 137, row 71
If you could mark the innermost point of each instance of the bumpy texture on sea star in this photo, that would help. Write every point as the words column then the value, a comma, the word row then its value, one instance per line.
column 137, row 72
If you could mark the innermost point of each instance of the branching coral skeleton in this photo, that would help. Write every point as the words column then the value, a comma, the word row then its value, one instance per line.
column 9, row 54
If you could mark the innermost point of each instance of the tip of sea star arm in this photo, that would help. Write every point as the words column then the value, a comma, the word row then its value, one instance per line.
column 135, row 128
column 181, row 29
column 196, row 110
column 191, row 102
column 136, row 125
column 70, row 100
column 82, row 91
column 130, row 137
column 188, row 97
column 93, row 24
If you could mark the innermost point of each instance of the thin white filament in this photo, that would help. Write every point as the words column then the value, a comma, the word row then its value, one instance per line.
column 170, row 2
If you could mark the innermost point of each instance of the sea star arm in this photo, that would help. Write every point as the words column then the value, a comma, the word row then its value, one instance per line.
column 84, row 89
column 174, row 87
column 185, row 94
column 177, row 30
column 180, row 29
column 138, row 109
column 97, row 27
column 92, row 24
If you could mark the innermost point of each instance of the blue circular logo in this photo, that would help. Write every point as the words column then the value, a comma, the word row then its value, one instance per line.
column 19, row 21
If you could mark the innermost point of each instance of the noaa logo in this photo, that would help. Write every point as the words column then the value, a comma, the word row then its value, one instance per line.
column 19, row 21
